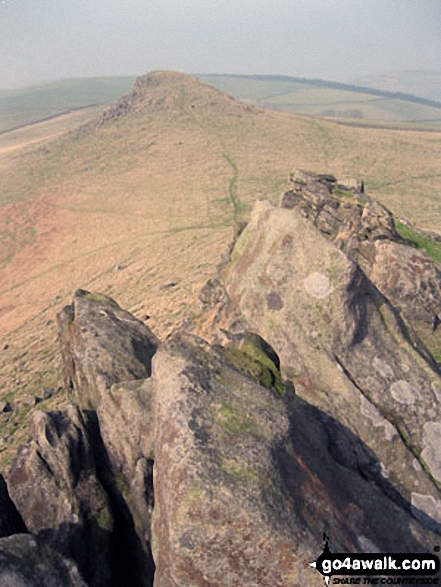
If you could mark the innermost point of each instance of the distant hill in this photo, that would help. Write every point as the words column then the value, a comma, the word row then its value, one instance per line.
column 426, row 84
column 25, row 106
column 29, row 105
column 324, row 98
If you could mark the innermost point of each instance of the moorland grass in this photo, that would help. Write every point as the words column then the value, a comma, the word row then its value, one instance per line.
column 421, row 241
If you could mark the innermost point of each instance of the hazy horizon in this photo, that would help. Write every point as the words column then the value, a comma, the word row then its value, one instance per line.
column 48, row 40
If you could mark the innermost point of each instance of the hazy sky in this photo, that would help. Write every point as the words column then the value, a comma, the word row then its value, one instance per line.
column 331, row 39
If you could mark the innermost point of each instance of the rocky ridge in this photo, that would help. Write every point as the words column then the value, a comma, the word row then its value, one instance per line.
column 299, row 400
column 165, row 91
column 366, row 232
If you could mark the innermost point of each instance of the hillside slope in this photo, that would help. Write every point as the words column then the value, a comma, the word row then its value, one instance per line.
column 140, row 203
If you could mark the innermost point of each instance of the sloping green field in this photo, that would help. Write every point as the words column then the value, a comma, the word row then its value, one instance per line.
column 28, row 105
column 320, row 98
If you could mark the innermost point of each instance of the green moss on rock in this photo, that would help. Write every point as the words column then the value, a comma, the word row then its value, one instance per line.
column 239, row 471
column 248, row 356
column 419, row 240
column 104, row 519
column 232, row 420
column 343, row 193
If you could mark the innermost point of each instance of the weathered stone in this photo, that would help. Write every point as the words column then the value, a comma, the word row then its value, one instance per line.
column 107, row 356
column 252, row 355
column 127, row 430
column 412, row 282
column 214, row 326
column 27, row 562
column 53, row 483
column 377, row 222
column 340, row 340
column 246, row 481
column 342, row 213
column 365, row 230
column 10, row 520
column 213, row 293
column 101, row 345
column 126, row 424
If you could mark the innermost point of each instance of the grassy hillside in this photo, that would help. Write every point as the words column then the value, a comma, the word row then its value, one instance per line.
column 28, row 105
column 320, row 98
column 140, row 206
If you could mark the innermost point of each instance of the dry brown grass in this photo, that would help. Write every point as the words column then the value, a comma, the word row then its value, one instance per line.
column 157, row 194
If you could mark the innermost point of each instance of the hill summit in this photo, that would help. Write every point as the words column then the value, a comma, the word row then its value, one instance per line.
column 169, row 91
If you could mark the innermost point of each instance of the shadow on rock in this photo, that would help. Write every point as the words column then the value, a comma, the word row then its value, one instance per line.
column 131, row 562
column 329, row 474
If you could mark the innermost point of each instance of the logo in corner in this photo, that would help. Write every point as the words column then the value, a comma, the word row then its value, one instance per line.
column 317, row 564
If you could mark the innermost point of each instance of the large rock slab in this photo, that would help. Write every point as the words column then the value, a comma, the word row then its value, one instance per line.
column 101, row 344
column 53, row 483
column 245, row 480
column 345, row 346
column 26, row 562
column 107, row 355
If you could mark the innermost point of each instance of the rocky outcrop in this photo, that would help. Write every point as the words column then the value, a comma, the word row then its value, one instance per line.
column 306, row 406
column 164, row 92
column 365, row 230
column 347, row 350
column 26, row 562
column 228, row 476
column 54, row 485
column 345, row 214
column 107, row 355
column 101, row 344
